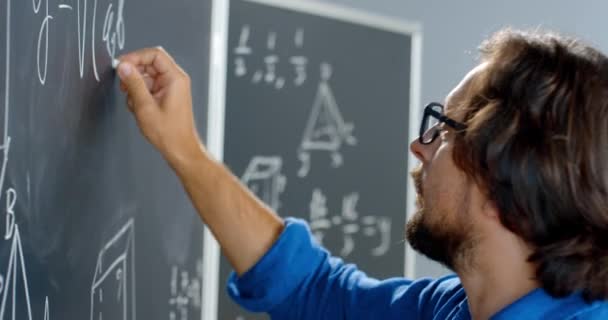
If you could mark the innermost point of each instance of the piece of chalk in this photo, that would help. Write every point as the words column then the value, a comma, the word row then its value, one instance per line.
column 115, row 63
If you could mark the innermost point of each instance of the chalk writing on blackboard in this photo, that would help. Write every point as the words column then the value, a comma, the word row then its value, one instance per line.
column 325, row 129
column 111, row 37
column 16, row 271
column 112, row 33
column 113, row 288
column 243, row 49
column 270, row 60
column 351, row 224
column 299, row 62
column 264, row 178
column 269, row 74
column 44, row 30
column 16, row 274
column 185, row 291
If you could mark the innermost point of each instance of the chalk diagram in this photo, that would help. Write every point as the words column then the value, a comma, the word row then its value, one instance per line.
column 16, row 275
column 263, row 177
column 325, row 129
column 113, row 288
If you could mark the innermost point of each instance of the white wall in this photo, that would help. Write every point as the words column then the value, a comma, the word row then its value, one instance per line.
column 452, row 31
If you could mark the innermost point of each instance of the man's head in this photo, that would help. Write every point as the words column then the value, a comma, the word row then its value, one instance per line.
column 534, row 151
column 442, row 228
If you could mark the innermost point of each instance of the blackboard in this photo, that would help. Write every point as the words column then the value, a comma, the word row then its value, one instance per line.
column 94, row 224
column 317, row 111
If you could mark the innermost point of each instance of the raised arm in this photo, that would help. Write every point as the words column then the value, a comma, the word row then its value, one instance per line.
column 159, row 96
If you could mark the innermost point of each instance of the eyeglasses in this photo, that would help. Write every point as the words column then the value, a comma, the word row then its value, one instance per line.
column 432, row 118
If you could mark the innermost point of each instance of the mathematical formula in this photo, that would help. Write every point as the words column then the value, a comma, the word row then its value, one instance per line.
column 350, row 224
column 185, row 296
column 267, row 70
column 112, row 34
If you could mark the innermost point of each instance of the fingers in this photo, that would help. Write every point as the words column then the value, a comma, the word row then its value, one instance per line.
column 149, row 81
column 136, row 87
column 150, row 84
column 153, row 61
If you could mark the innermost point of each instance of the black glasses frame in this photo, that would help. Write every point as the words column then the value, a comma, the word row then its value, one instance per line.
column 430, row 112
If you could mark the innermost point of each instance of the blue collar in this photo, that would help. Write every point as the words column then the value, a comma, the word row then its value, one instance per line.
column 538, row 304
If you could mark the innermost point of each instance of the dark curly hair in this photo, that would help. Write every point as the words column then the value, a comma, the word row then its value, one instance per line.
column 537, row 142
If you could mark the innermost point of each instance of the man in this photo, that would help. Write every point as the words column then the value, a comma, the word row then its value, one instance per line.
column 512, row 195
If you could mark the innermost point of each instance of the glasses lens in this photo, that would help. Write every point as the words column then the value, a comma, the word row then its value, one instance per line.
column 430, row 124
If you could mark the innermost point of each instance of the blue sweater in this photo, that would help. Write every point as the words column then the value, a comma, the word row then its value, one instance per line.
column 298, row 279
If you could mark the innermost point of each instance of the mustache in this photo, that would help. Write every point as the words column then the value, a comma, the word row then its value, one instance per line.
column 417, row 177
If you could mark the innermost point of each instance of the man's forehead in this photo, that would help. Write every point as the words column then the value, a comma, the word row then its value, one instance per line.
column 460, row 91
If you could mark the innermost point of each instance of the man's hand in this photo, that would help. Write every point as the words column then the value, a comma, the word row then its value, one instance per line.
column 159, row 95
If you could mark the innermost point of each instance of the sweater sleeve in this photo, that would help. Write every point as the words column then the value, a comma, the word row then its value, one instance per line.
column 298, row 279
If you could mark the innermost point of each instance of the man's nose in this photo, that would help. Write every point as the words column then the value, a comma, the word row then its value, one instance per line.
column 420, row 151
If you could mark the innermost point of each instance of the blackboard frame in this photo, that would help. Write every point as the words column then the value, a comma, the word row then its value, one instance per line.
column 217, row 97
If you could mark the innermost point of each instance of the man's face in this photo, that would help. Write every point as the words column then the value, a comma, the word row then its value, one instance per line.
column 442, row 228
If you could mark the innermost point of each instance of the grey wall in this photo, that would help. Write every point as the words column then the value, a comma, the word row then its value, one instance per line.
column 453, row 29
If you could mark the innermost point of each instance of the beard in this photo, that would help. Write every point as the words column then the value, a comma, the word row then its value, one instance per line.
column 437, row 235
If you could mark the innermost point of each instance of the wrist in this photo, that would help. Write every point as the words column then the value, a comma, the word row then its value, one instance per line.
column 184, row 159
